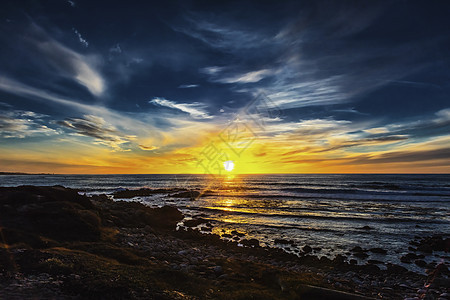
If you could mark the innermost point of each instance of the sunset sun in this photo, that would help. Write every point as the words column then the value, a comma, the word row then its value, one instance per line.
column 228, row 165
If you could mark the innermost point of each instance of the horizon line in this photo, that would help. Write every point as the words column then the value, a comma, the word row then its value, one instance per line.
column 318, row 173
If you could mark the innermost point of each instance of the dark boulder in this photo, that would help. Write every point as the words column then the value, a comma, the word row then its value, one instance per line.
column 378, row 250
column 195, row 222
column 250, row 242
column 51, row 212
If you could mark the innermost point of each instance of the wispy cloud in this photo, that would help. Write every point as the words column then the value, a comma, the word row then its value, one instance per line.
column 300, row 70
column 249, row 77
column 66, row 62
column 22, row 124
column 96, row 127
column 196, row 110
column 221, row 34
column 148, row 148
column 188, row 86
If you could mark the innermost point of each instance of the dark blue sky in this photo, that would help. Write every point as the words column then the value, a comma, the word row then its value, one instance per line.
column 125, row 75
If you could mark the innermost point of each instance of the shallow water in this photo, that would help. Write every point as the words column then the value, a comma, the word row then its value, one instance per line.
column 325, row 211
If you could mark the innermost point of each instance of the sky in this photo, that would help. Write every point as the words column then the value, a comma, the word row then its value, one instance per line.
column 142, row 87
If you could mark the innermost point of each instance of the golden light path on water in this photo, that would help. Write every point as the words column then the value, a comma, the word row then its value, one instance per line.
column 231, row 190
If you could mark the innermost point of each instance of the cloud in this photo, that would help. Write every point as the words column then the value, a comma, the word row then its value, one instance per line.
column 80, row 38
column 21, row 124
column 304, row 60
column 220, row 33
column 188, row 86
column 211, row 70
column 96, row 127
column 406, row 156
column 148, row 148
column 196, row 110
column 115, row 49
column 249, row 77
column 67, row 62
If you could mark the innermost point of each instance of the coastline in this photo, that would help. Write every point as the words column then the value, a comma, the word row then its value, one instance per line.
column 58, row 243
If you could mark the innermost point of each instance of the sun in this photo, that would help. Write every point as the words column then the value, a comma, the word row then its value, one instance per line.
column 228, row 165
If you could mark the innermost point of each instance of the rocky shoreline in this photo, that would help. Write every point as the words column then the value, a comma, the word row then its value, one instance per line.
column 56, row 243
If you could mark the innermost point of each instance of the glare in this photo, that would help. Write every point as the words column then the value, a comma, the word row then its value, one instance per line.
column 228, row 165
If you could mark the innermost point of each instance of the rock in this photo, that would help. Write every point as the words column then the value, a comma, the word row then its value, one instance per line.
column 166, row 217
column 239, row 234
column 395, row 269
column 124, row 193
column 339, row 259
column 408, row 258
column 195, row 222
column 374, row 262
column 358, row 249
column 283, row 241
column 378, row 250
column 366, row 227
column 420, row 263
column 361, row 255
column 48, row 212
column 307, row 249
column 218, row 270
column 425, row 249
column 250, row 242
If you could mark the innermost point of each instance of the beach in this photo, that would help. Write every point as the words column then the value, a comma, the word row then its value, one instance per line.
column 60, row 243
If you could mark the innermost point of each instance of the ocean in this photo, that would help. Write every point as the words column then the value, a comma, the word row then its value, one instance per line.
column 331, row 213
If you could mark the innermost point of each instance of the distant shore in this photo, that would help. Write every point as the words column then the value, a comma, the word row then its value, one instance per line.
column 20, row 173
column 56, row 243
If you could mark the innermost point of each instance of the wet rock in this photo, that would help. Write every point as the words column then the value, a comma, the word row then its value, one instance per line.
column 371, row 269
column 239, row 234
column 374, row 262
column 339, row 260
column 250, row 242
column 194, row 222
column 358, row 249
column 395, row 269
column 378, row 250
column 125, row 193
column 361, row 255
column 307, row 249
column 283, row 242
column 425, row 249
column 420, row 263
column 409, row 257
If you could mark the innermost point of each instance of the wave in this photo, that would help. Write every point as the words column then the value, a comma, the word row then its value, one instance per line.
column 368, row 218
